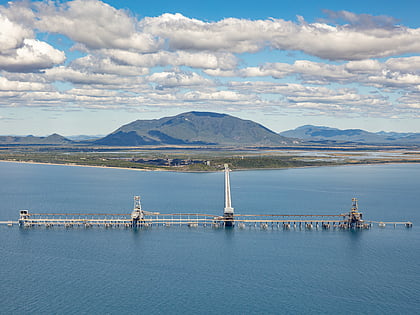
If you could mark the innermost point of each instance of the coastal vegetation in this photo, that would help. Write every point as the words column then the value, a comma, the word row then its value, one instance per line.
column 205, row 161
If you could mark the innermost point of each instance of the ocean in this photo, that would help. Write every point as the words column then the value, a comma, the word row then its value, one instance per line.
column 204, row 270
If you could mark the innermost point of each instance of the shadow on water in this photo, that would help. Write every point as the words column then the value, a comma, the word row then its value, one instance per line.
column 355, row 237
column 229, row 232
column 356, row 234
column 138, row 232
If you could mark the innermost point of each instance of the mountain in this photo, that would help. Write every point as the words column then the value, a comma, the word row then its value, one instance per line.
column 194, row 128
column 322, row 134
column 54, row 139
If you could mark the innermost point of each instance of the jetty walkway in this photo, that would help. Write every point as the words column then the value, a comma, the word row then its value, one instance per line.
column 140, row 218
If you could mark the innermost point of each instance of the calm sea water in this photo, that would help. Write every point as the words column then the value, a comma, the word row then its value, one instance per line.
column 181, row 270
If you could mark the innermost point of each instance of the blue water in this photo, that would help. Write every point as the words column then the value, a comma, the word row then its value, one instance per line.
column 204, row 270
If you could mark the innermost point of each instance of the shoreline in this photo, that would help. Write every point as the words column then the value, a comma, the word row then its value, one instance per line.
column 184, row 171
column 81, row 165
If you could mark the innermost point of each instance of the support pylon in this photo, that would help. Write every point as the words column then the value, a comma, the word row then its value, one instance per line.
column 228, row 211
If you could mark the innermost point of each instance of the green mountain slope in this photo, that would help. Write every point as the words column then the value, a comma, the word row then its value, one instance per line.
column 194, row 128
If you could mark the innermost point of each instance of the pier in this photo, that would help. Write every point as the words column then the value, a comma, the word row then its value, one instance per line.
column 140, row 218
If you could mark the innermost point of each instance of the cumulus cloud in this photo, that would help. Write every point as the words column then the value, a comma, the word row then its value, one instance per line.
column 204, row 60
column 7, row 85
column 309, row 71
column 94, row 24
column 66, row 74
column 173, row 60
column 410, row 102
column 12, row 35
column 395, row 73
column 105, row 65
column 31, row 56
column 178, row 79
column 404, row 65
column 21, row 53
column 319, row 39
column 394, row 80
column 100, row 26
column 364, row 66
column 262, row 71
column 184, row 33
column 218, row 96
column 317, row 98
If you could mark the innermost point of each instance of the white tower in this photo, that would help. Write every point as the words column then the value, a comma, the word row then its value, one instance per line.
column 228, row 211
column 137, row 213
column 228, row 200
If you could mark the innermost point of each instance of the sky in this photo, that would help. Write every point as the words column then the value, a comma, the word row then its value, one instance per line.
column 88, row 66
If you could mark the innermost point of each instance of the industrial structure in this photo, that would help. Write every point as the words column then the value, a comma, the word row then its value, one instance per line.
column 228, row 217
column 141, row 219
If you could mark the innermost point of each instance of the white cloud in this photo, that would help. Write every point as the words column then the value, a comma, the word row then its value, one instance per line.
column 329, row 101
column 218, row 96
column 364, row 66
column 204, row 60
column 395, row 73
column 66, row 74
column 182, row 33
column 33, row 55
column 319, row 39
column 321, row 73
column 404, row 65
column 20, row 53
column 178, row 79
column 94, row 24
column 98, row 25
column 410, row 102
column 96, row 93
column 394, row 80
column 124, row 56
column 7, row 85
column 266, row 70
column 105, row 65
column 12, row 35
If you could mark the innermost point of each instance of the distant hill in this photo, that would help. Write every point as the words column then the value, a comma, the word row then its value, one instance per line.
column 194, row 128
column 84, row 137
column 214, row 129
column 322, row 134
column 54, row 139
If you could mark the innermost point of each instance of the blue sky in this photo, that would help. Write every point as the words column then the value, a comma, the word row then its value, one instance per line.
column 87, row 66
